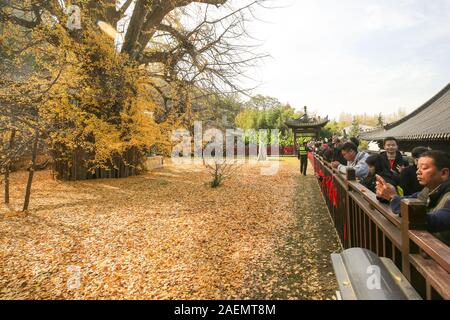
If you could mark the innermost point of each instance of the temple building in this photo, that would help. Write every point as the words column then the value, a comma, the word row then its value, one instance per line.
column 428, row 126
column 306, row 126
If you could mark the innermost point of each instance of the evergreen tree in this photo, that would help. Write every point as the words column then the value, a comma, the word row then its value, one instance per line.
column 380, row 120
column 355, row 130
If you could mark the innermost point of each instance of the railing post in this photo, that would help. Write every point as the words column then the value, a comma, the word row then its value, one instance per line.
column 351, row 174
column 413, row 214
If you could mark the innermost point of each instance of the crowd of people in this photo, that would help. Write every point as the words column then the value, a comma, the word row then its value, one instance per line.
column 392, row 178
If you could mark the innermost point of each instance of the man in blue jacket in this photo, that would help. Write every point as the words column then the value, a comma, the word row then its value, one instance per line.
column 433, row 172
column 355, row 159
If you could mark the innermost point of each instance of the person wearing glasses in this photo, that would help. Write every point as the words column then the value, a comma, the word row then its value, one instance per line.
column 355, row 159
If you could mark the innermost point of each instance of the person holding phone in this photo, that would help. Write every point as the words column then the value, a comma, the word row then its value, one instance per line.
column 433, row 173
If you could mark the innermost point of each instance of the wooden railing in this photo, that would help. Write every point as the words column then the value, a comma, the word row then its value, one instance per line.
column 363, row 221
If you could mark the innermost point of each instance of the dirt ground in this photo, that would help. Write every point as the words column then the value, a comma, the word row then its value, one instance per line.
column 168, row 235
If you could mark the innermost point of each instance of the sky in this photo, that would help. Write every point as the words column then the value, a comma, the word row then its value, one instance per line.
column 353, row 56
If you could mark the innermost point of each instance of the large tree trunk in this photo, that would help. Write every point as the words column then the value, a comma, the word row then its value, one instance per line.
column 8, row 166
column 31, row 172
column 135, row 27
column 145, row 21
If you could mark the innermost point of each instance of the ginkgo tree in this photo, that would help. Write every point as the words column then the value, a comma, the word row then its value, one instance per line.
column 99, row 82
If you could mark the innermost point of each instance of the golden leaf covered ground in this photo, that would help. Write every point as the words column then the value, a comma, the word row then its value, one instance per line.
column 168, row 235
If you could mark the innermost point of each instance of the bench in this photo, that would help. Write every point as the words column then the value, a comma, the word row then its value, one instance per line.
column 362, row 275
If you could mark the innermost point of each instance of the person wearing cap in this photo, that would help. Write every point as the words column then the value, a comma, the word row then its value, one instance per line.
column 303, row 157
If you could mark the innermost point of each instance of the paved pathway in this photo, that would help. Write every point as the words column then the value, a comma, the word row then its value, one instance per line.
column 303, row 269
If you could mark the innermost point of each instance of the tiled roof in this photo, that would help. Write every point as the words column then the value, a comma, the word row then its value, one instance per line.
column 307, row 122
column 429, row 122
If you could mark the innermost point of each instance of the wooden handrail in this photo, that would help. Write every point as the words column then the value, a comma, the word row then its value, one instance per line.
column 437, row 277
column 420, row 250
column 384, row 224
column 371, row 198
column 432, row 246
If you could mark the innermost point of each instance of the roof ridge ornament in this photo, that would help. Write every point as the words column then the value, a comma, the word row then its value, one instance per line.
column 305, row 116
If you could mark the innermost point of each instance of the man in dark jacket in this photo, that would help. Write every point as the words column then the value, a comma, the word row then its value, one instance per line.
column 378, row 167
column 434, row 174
column 408, row 176
column 392, row 156
column 337, row 151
